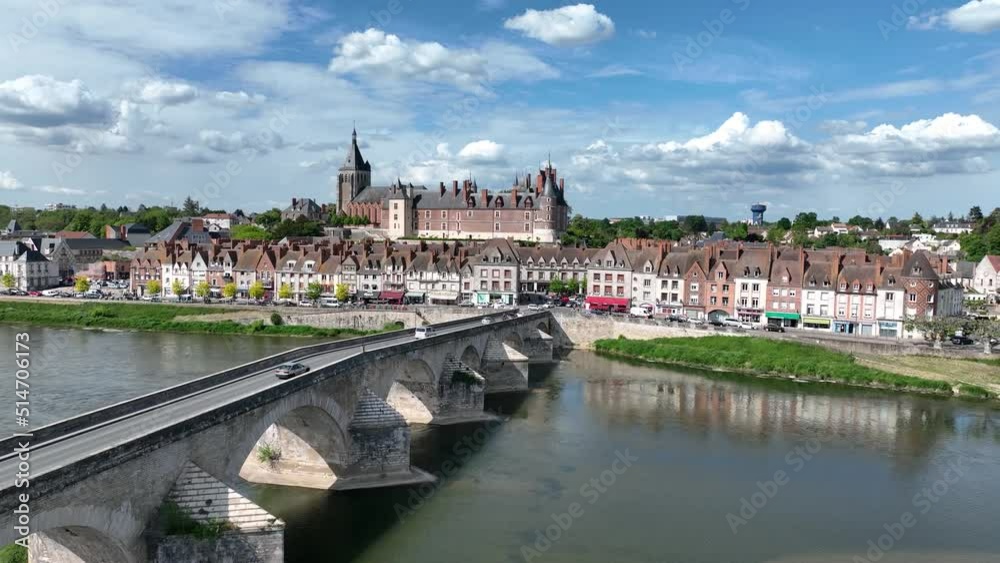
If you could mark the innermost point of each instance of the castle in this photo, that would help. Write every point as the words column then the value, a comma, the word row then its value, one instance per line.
column 531, row 211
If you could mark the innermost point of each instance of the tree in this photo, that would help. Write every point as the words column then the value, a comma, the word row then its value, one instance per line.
column 342, row 292
column 775, row 235
column 177, row 287
column 256, row 290
column 557, row 286
column 805, row 222
column 202, row 290
column 987, row 330
column 785, row 223
column 879, row 224
column 737, row 231
column 285, row 292
column 82, row 284
column 314, row 291
column 229, row 291
column 573, row 286
column 935, row 330
column 694, row 224
column 190, row 207
column 917, row 220
column 8, row 280
column 301, row 227
column 153, row 287
column 248, row 232
column 976, row 214
column 269, row 218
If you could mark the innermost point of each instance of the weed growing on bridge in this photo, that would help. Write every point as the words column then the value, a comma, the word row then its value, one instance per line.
column 268, row 453
column 176, row 522
column 774, row 358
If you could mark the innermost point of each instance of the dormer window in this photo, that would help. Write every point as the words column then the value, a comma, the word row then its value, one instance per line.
column 917, row 270
column 812, row 283
column 843, row 286
column 869, row 288
column 756, row 273
column 892, row 281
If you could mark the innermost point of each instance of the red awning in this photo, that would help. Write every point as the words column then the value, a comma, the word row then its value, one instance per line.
column 391, row 296
column 604, row 302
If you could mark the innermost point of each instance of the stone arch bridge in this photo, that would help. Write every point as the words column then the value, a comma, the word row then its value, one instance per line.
column 98, row 481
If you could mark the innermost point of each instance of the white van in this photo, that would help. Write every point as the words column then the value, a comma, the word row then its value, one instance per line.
column 641, row 312
column 423, row 332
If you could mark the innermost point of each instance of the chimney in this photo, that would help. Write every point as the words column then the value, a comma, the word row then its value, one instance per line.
column 295, row 201
column 484, row 198
column 539, row 183
column 198, row 225
column 562, row 184
column 442, row 189
column 513, row 197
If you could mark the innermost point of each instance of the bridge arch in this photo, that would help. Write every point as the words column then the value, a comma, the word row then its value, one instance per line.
column 514, row 340
column 85, row 534
column 471, row 357
column 305, row 432
column 414, row 392
column 544, row 327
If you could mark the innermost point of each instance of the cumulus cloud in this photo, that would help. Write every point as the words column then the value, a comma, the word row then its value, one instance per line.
column 239, row 99
column 976, row 16
column 948, row 144
column 481, row 152
column 384, row 55
column 568, row 26
column 164, row 93
column 8, row 181
column 42, row 101
column 213, row 145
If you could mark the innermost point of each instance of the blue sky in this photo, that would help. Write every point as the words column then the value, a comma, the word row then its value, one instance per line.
column 872, row 107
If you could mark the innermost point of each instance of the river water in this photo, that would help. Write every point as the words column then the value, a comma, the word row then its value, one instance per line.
column 606, row 460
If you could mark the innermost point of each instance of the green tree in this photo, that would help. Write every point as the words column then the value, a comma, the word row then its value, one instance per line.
column 314, row 291
column 775, row 235
column 248, row 232
column 737, row 231
column 256, row 290
column 13, row 553
column 203, row 290
column 785, row 223
column 557, row 286
column 229, row 291
column 285, row 292
column 177, row 287
column 82, row 285
column 976, row 214
column 190, row 207
column 805, row 221
column 269, row 218
column 153, row 287
column 694, row 224
column 342, row 292
column 301, row 227
column 573, row 287
column 8, row 280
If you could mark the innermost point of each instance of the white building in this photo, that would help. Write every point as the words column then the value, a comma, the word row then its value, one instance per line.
column 954, row 228
column 987, row 280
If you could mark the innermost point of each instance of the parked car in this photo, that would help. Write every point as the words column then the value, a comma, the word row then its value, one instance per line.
column 774, row 328
column 34, row 294
column 286, row 371
column 961, row 340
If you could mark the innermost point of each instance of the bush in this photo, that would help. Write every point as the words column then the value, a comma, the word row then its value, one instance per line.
column 276, row 319
column 176, row 522
column 974, row 391
column 13, row 553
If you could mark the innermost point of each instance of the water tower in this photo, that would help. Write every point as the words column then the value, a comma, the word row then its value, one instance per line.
column 758, row 214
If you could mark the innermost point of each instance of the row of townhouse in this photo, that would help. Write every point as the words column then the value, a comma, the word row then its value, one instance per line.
column 838, row 290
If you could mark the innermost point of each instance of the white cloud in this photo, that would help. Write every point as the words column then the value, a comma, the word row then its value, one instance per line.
column 214, row 144
column 645, row 34
column 615, row 70
column 976, row 16
column 42, row 101
column 378, row 54
column 948, row 144
column 60, row 190
column 8, row 181
column 480, row 152
column 164, row 93
column 579, row 24
column 843, row 126
column 241, row 98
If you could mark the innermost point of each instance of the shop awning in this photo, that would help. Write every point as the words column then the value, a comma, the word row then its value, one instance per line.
column 608, row 302
column 415, row 294
column 444, row 295
column 786, row 316
column 391, row 296
column 816, row 321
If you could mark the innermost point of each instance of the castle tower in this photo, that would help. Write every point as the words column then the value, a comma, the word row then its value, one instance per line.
column 355, row 175
column 546, row 217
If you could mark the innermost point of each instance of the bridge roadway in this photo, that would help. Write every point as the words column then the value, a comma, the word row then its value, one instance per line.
column 77, row 446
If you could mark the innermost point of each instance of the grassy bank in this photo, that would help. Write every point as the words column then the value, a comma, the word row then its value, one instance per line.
column 151, row 317
column 772, row 358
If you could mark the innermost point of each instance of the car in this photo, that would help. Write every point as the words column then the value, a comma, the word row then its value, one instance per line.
column 34, row 294
column 774, row 328
column 486, row 321
column 640, row 312
column 423, row 332
column 286, row 371
column 960, row 340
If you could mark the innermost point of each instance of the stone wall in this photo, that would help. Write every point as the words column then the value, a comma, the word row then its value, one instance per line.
column 258, row 547
column 574, row 329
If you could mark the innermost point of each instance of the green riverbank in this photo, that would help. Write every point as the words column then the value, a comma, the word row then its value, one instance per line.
column 771, row 358
column 153, row 318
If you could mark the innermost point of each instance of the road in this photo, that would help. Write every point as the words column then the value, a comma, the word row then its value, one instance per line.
column 56, row 453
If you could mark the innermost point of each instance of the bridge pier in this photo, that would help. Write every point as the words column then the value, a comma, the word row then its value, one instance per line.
column 539, row 348
column 79, row 545
column 505, row 369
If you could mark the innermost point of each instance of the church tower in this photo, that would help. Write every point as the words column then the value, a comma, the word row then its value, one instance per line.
column 355, row 175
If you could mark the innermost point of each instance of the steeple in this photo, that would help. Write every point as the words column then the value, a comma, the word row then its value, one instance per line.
column 354, row 160
column 550, row 188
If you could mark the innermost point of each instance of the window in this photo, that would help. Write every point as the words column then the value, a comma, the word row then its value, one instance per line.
column 722, row 275
column 913, row 298
column 713, row 288
column 712, row 300
column 725, row 288
column 527, row 227
column 725, row 301
column 890, row 296
column 444, row 226
column 775, row 292
column 444, row 214
column 496, row 226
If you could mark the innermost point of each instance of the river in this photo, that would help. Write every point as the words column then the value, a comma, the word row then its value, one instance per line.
column 617, row 462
